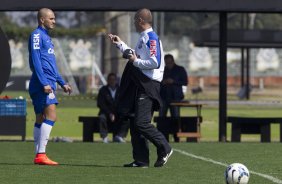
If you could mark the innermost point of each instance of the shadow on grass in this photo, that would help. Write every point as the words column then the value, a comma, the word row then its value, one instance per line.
column 88, row 165
column 62, row 164
column 11, row 164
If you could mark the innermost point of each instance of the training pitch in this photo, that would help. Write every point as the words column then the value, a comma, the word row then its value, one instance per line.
column 195, row 163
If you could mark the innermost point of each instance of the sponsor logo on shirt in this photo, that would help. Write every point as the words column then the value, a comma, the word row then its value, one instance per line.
column 36, row 41
column 153, row 47
column 50, row 51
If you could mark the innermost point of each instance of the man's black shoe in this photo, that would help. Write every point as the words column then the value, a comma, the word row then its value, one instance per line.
column 163, row 159
column 136, row 164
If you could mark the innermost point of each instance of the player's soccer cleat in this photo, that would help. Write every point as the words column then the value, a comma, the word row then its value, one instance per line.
column 136, row 164
column 42, row 159
column 163, row 159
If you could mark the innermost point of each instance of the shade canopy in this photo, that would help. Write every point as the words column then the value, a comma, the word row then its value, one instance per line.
column 270, row 6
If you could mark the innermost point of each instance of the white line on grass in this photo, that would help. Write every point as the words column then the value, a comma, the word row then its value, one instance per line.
column 271, row 178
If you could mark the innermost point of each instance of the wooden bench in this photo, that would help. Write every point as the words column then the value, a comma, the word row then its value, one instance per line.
column 189, row 126
column 253, row 125
column 91, row 126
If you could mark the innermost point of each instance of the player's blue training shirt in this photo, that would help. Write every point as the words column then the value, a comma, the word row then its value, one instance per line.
column 149, row 52
column 42, row 61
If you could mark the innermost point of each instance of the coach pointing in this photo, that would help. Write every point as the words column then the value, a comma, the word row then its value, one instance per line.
column 144, row 72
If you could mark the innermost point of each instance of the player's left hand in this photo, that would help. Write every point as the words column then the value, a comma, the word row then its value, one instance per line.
column 67, row 89
column 132, row 57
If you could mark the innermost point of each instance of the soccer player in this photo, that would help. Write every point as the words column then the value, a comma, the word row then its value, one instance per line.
column 42, row 86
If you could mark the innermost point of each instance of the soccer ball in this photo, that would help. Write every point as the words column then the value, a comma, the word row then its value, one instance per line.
column 237, row 173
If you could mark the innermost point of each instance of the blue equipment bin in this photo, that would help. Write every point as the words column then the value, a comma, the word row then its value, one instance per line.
column 12, row 107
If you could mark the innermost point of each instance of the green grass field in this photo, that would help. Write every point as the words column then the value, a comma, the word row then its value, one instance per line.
column 102, row 163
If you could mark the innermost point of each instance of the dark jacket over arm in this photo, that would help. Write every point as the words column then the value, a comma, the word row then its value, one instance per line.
column 132, row 79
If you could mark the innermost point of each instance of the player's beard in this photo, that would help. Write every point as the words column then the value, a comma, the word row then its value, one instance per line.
column 51, row 27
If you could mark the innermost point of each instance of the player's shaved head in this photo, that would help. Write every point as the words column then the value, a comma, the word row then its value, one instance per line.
column 43, row 12
column 46, row 18
column 145, row 14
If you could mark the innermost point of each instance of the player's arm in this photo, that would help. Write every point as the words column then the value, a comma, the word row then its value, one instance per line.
column 119, row 43
column 60, row 80
column 35, row 42
column 66, row 87
column 153, row 49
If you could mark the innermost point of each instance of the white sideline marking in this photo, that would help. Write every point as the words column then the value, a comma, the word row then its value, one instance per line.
column 271, row 178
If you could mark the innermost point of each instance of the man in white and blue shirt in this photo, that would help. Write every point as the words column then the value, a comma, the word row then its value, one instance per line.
column 147, row 58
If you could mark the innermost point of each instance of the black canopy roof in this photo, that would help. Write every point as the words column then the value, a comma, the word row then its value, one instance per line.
column 158, row 5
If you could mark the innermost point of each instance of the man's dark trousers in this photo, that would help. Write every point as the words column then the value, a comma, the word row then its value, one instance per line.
column 142, row 130
column 175, row 115
column 119, row 128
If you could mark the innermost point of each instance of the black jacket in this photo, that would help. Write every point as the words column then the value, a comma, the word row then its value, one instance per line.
column 173, row 92
column 105, row 102
column 132, row 81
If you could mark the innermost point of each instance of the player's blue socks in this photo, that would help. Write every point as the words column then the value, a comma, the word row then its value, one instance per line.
column 37, row 125
column 45, row 131
column 36, row 135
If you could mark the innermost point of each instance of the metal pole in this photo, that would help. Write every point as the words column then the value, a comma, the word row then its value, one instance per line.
column 222, row 76
column 242, row 54
column 248, row 74
column 242, row 67
column 155, row 22
column 162, row 22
